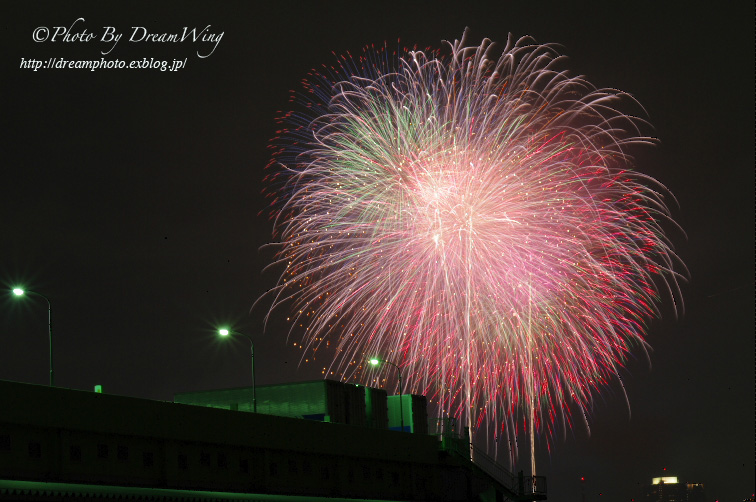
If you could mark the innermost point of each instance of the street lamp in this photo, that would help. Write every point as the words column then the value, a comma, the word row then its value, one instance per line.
column 226, row 332
column 22, row 292
column 375, row 362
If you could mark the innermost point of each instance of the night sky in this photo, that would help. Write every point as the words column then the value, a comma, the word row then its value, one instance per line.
column 132, row 200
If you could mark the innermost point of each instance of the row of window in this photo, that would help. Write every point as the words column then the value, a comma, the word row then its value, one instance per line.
column 205, row 460
column 34, row 449
column 103, row 452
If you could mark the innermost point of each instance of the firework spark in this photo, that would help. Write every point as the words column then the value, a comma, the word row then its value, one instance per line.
column 474, row 217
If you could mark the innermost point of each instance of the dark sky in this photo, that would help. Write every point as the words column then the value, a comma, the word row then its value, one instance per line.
column 132, row 199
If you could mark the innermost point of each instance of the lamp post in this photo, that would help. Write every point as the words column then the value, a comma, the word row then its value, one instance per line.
column 22, row 292
column 226, row 332
column 375, row 362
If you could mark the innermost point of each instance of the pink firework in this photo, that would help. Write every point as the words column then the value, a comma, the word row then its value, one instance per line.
column 473, row 218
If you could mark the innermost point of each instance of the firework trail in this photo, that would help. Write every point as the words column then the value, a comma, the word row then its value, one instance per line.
column 474, row 218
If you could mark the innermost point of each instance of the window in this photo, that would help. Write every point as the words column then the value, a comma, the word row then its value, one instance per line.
column 292, row 466
column 273, row 469
column 102, row 451
column 35, row 449
column 325, row 473
column 419, row 483
column 5, row 443
column 222, row 461
column 183, row 462
column 74, row 453
column 306, row 467
column 123, row 452
column 244, row 465
column 148, row 459
column 365, row 472
column 205, row 459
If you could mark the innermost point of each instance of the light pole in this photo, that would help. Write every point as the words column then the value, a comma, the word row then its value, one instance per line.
column 22, row 292
column 375, row 362
column 226, row 332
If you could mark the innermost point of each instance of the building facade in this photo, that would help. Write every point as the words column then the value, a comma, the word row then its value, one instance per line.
column 671, row 489
column 51, row 437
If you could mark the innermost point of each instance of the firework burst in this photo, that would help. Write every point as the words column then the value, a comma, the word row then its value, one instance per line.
column 474, row 218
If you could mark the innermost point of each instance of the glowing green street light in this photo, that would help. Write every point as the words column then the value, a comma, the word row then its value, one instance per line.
column 227, row 332
column 22, row 292
column 375, row 362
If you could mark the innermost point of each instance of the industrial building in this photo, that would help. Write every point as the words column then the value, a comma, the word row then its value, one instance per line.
column 671, row 489
column 69, row 444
